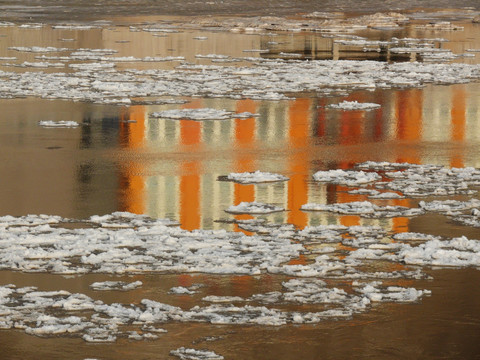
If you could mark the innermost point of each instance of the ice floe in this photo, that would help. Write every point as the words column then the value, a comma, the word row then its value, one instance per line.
column 364, row 208
column 200, row 114
column 426, row 180
column 58, row 124
column 193, row 354
column 255, row 177
column 253, row 208
column 115, row 285
column 346, row 177
column 354, row 105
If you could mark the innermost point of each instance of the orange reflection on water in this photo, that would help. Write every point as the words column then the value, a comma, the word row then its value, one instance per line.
column 299, row 163
column 132, row 183
column 244, row 160
column 190, row 171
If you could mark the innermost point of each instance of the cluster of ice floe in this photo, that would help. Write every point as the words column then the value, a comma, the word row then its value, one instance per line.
column 201, row 114
column 346, row 177
column 126, row 243
column 354, row 105
column 255, row 177
column 61, row 313
column 426, row 180
column 97, row 79
column 364, row 208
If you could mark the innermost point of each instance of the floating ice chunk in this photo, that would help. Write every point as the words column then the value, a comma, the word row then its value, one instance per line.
column 253, row 208
column 116, row 285
column 390, row 293
column 364, row 208
column 92, row 66
column 440, row 26
column 370, row 192
column 350, row 178
column 255, row 177
column 74, row 27
column 58, row 124
column 456, row 252
column 153, row 329
column 449, row 206
column 38, row 49
column 386, row 195
column 212, row 56
column 222, row 299
column 194, row 114
column 192, row 354
column 180, row 290
column 354, row 105
column 162, row 59
column 412, row 236
column 41, row 64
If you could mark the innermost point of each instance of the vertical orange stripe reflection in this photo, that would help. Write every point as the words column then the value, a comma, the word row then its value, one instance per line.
column 244, row 162
column 132, row 182
column 409, row 127
column 298, row 138
column 191, row 138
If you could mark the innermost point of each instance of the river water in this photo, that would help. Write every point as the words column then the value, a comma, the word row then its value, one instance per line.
column 122, row 159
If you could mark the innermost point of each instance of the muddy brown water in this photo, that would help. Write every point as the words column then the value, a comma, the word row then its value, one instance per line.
column 169, row 169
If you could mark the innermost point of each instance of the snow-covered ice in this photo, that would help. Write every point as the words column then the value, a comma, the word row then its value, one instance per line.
column 193, row 354
column 58, row 124
column 255, row 177
column 200, row 114
column 346, row 177
column 364, row 208
column 253, row 208
column 354, row 105
column 115, row 285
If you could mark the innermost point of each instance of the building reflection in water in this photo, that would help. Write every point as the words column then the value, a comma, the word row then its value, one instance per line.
column 289, row 137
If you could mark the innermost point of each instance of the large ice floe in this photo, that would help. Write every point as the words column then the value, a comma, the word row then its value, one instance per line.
column 255, row 177
column 354, row 105
column 201, row 114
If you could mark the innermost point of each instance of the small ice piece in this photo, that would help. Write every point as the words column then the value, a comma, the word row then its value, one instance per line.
column 115, row 285
column 37, row 49
column 192, row 354
column 180, row 290
column 200, row 38
column 354, row 105
column 255, row 177
column 386, row 195
column 222, row 299
column 58, row 124
column 153, row 329
column 253, row 208
column 349, row 178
